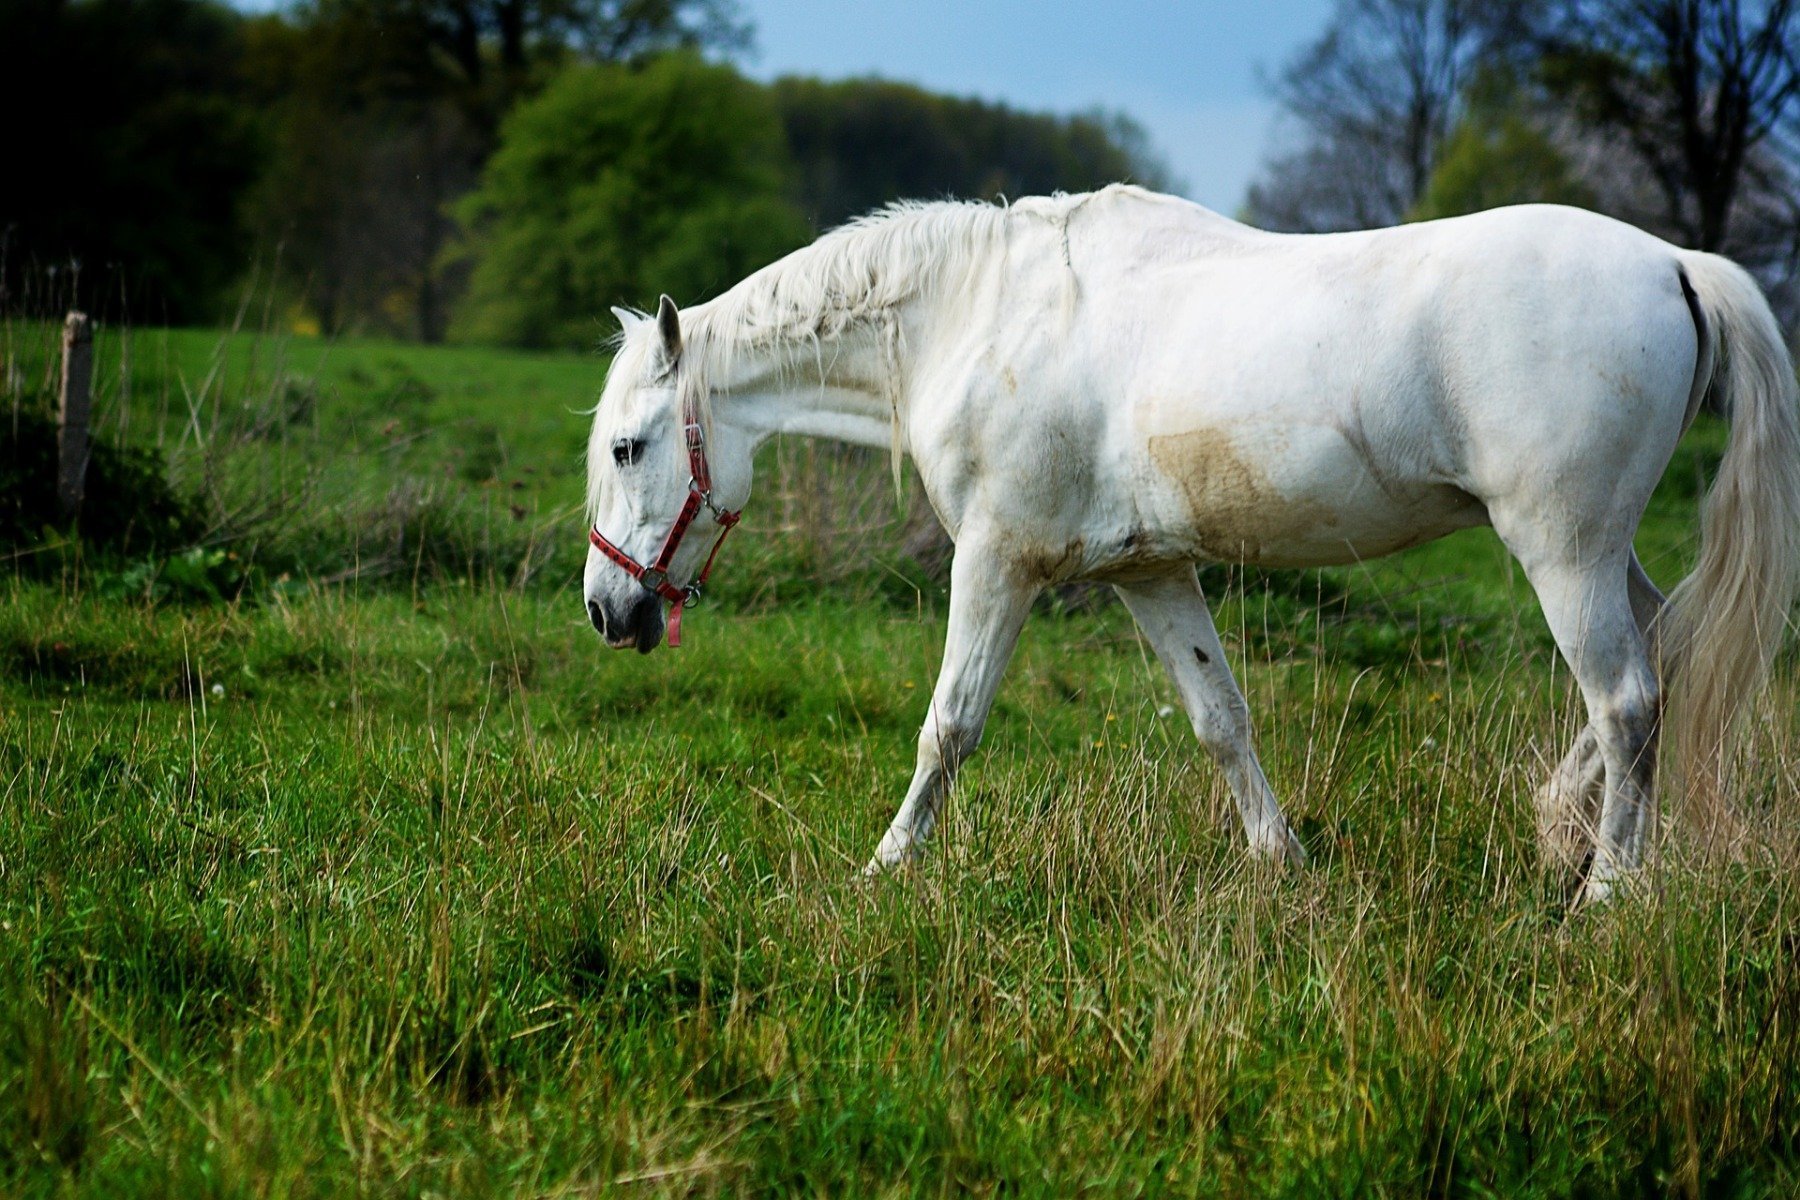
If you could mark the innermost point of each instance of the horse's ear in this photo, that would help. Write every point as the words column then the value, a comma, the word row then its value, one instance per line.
column 668, row 323
column 628, row 320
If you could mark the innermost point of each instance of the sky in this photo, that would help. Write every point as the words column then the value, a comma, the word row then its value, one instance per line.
column 1193, row 74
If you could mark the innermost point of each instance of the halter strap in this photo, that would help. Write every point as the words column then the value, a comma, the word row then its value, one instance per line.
column 655, row 577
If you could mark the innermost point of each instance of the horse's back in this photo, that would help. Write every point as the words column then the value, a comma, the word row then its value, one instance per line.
column 1307, row 399
column 1536, row 323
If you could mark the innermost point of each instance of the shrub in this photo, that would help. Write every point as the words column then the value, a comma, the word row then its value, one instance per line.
column 616, row 184
column 130, row 509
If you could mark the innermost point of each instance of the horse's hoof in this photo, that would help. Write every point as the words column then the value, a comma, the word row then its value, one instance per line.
column 889, row 862
column 1284, row 850
column 1595, row 893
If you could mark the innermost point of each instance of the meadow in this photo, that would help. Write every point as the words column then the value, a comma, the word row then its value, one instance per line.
column 338, row 856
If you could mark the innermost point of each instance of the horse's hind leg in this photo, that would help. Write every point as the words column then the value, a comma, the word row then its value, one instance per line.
column 1568, row 803
column 1587, row 604
column 1173, row 615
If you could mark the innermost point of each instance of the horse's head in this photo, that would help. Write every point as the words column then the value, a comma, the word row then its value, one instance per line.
column 656, row 506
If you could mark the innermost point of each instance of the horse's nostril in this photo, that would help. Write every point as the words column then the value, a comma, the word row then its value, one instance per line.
column 596, row 617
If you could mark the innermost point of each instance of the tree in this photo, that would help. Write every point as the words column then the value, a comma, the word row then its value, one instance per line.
column 1374, row 100
column 615, row 184
column 122, row 190
column 1700, row 91
column 471, row 36
column 370, row 145
column 382, row 112
column 1501, row 152
column 860, row 143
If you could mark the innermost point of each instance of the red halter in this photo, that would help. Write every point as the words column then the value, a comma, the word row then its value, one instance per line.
column 655, row 577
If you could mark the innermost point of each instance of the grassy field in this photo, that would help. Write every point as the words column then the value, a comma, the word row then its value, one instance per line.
column 379, row 875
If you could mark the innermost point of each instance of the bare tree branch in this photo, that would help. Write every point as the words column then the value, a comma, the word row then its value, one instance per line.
column 1695, row 87
column 1374, row 98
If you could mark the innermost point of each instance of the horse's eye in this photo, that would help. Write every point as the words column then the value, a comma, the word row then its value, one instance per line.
column 627, row 450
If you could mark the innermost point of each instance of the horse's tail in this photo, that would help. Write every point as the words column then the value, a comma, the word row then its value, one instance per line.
column 1724, row 622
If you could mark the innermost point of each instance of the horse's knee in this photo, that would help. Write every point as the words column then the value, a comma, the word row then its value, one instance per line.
column 1627, row 726
column 1223, row 728
column 949, row 740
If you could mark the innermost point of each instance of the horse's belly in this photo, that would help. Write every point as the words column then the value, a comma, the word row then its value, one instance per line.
column 1302, row 497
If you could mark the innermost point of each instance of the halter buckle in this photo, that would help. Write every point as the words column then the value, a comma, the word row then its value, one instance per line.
column 654, row 578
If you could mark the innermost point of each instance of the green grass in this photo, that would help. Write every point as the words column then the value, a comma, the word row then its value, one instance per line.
column 403, row 885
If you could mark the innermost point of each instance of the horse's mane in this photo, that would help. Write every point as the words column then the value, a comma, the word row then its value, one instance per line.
column 851, row 280
column 850, row 276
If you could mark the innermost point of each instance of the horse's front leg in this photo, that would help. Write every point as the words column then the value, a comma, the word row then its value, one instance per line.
column 987, row 609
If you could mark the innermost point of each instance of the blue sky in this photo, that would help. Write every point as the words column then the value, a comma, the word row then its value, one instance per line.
column 1191, row 73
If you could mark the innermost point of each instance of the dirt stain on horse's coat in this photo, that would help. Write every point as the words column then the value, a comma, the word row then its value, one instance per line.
column 1039, row 564
column 1237, row 510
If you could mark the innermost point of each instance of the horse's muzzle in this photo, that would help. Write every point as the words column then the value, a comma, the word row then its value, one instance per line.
column 641, row 625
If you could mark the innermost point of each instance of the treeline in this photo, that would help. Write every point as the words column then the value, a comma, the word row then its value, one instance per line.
column 1681, row 116
column 485, row 169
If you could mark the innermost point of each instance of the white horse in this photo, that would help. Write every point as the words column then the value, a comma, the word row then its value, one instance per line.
column 1114, row 386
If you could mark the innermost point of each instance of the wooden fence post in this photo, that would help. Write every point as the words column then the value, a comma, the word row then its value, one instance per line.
column 72, row 412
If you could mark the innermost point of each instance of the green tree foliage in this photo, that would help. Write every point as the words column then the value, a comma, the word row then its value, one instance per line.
column 382, row 113
column 615, row 184
column 476, row 40
column 1499, row 154
column 860, row 143
column 129, row 147
column 167, row 151
column 373, row 137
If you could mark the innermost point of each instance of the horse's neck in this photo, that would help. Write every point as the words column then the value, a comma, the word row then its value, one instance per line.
column 841, row 372
column 839, row 388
